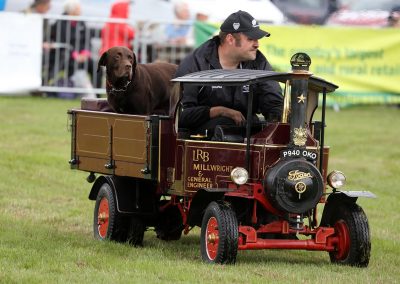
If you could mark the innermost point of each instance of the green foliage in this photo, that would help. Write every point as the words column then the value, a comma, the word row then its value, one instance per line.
column 46, row 218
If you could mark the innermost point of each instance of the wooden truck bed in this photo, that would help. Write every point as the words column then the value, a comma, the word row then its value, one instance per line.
column 109, row 143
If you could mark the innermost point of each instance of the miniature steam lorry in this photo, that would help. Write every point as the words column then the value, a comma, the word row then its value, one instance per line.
column 256, row 188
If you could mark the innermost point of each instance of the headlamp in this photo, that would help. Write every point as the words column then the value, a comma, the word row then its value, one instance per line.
column 239, row 175
column 336, row 179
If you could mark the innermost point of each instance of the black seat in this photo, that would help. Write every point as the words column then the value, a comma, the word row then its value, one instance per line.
column 229, row 133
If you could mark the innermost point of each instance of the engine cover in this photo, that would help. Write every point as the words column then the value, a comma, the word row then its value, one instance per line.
column 294, row 186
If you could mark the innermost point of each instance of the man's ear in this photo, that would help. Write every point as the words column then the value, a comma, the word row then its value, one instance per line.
column 102, row 61
column 230, row 38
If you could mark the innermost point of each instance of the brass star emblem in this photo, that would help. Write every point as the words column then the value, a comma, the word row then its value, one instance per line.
column 301, row 99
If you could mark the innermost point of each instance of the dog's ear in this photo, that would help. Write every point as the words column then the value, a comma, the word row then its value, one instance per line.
column 102, row 60
column 134, row 61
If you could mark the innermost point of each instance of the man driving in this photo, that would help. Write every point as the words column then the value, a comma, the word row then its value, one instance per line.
column 236, row 47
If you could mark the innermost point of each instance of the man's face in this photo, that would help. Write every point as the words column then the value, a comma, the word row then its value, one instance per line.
column 245, row 48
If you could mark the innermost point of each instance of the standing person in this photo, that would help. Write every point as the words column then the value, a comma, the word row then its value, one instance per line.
column 394, row 17
column 117, row 34
column 236, row 47
column 202, row 15
column 73, row 34
column 39, row 7
column 180, row 32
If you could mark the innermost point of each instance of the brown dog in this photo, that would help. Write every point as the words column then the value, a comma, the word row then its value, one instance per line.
column 136, row 88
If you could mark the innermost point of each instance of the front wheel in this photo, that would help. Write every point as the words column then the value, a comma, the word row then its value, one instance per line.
column 219, row 234
column 352, row 229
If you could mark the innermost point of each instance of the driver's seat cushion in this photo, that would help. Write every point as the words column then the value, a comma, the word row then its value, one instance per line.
column 229, row 133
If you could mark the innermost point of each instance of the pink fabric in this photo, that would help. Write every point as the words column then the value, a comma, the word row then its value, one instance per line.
column 75, row 54
column 85, row 52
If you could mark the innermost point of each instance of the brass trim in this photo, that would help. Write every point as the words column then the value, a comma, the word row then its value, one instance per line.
column 286, row 103
column 198, row 136
column 177, row 187
column 230, row 143
column 301, row 99
column 300, row 136
column 159, row 152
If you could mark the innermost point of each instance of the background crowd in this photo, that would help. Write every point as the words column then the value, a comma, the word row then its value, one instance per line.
column 71, row 45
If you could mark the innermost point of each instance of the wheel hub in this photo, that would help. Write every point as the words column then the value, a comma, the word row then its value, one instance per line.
column 343, row 246
column 103, row 217
column 212, row 238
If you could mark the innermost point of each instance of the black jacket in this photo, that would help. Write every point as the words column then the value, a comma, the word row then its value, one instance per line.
column 197, row 101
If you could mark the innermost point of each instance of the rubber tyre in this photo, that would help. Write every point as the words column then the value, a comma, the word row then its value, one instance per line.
column 107, row 223
column 136, row 231
column 351, row 226
column 170, row 224
column 219, row 234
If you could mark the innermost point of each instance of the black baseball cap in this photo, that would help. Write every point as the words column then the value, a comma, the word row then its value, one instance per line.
column 243, row 22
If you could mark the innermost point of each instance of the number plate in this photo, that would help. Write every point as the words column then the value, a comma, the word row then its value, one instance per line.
column 299, row 153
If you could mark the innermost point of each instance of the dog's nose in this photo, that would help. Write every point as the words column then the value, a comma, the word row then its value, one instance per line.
column 128, row 66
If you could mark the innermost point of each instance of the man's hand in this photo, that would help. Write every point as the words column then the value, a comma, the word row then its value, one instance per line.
column 235, row 115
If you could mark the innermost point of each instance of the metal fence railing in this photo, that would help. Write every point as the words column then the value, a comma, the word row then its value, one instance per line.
column 72, row 47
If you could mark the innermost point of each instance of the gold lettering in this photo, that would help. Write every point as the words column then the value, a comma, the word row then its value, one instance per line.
column 199, row 185
column 199, row 154
column 212, row 168
column 297, row 175
column 199, row 179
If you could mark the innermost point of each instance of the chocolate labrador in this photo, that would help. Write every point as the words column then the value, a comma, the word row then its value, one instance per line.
column 136, row 88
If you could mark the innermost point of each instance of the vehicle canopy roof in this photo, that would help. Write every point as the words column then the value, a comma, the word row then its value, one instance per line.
column 249, row 77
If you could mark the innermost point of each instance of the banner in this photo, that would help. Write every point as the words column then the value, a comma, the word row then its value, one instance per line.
column 20, row 52
column 363, row 62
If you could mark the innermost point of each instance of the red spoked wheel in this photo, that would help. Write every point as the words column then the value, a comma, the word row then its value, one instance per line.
column 219, row 234
column 352, row 230
column 212, row 238
column 103, row 217
column 104, row 214
column 107, row 223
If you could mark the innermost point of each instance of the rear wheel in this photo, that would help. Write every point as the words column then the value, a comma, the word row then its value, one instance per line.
column 170, row 224
column 352, row 229
column 136, row 231
column 219, row 234
column 107, row 223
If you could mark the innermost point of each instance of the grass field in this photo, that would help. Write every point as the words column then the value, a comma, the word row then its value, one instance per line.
column 46, row 218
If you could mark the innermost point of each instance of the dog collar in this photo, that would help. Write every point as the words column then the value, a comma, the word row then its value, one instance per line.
column 113, row 89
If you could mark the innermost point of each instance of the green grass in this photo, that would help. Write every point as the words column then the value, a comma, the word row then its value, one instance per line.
column 46, row 218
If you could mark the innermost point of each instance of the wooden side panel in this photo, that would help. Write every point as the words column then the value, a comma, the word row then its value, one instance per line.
column 129, row 146
column 129, row 142
column 92, row 136
column 113, row 139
